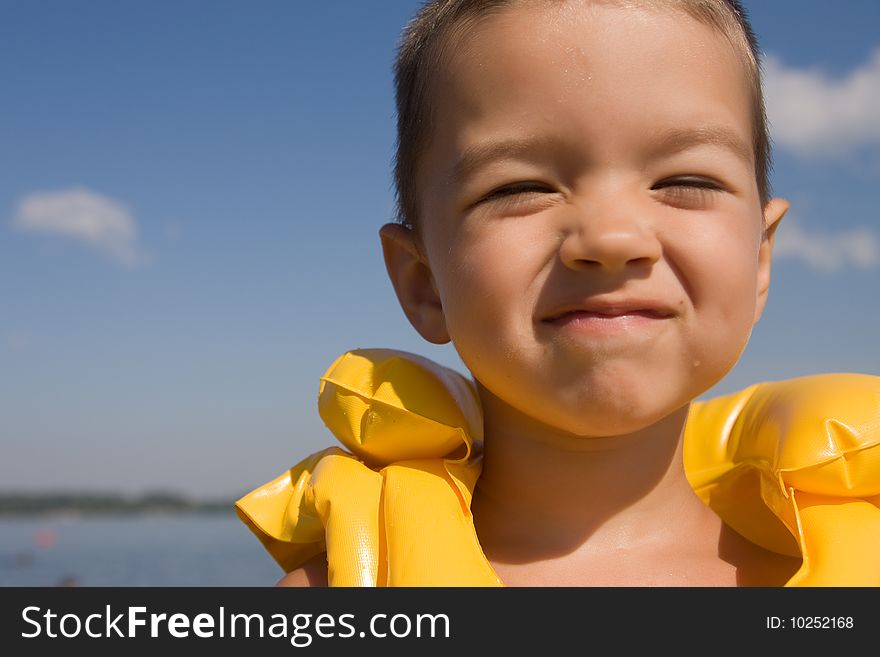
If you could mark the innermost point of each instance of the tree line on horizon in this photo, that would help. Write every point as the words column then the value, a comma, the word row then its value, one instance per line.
column 25, row 503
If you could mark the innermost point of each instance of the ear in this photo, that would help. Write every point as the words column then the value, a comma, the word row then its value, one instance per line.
column 413, row 282
column 773, row 213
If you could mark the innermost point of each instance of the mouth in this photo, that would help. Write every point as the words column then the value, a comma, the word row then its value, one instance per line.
column 607, row 307
column 598, row 316
column 596, row 323
column 648, row 313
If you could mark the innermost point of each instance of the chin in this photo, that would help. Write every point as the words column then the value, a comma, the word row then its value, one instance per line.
column 617, row 414
column 609, row 425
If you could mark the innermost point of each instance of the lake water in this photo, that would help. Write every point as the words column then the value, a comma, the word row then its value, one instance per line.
column 151, row 550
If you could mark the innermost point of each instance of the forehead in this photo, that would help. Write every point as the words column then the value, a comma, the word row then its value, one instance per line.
column 563, row 69
column 591, row 52
column 572, row 26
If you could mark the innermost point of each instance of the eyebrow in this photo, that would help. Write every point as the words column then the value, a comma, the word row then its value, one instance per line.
column 672, row 140
column 680, row 139
column 478, row 155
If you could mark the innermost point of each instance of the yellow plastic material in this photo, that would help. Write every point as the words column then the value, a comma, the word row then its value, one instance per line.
column 793, row 466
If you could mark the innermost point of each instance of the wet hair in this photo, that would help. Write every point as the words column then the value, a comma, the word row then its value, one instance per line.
column 421, row 52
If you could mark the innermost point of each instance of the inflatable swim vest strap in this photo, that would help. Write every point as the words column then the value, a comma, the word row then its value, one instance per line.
column 794, row 466
column 396, row 510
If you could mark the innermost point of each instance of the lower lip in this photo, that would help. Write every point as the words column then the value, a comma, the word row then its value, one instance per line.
column 597, row 323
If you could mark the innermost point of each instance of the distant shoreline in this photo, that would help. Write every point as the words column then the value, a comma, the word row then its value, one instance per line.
column 17, row 504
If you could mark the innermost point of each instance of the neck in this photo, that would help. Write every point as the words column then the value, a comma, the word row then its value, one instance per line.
column 544, row 492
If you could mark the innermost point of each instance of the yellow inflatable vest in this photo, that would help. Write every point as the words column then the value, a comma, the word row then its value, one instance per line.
column 793, row 466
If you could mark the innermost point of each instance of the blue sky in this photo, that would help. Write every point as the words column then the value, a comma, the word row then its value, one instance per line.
column 190, row 194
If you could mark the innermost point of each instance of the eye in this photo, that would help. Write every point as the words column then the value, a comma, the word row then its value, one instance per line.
column 688, row 191
column 689, row 182
column 516, row 189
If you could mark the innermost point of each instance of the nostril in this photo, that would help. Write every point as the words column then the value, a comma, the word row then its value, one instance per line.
column 589, row 249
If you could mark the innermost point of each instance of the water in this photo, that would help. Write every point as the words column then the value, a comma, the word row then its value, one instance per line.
column 151, row 550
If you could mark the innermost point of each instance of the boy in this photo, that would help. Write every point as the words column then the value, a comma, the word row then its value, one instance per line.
column 585, row 214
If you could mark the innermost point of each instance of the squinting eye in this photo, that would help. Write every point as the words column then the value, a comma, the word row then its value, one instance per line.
column 689, row 191
column 512, row 190
column 688, row 183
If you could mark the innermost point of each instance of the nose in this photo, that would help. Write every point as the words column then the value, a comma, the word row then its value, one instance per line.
column 608, row 234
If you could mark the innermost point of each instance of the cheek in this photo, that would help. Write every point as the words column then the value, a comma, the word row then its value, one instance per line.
column 717, row 259
column 492, row 279
column 723, row 284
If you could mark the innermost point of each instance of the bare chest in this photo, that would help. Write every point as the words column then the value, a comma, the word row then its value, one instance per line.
column 742, row 565
column 617, row 572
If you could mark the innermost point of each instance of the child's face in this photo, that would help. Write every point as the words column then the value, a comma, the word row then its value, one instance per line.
column 628, row 176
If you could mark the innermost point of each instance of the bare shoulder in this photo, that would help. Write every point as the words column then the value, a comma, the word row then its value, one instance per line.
column 313, row 573
column 755, row 565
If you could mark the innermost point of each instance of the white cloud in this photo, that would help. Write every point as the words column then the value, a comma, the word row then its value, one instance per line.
column 86, row 216
column 814, row 114
column 827, row 252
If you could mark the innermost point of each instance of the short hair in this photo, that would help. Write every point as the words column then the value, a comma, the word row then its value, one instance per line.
column 420, row 54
